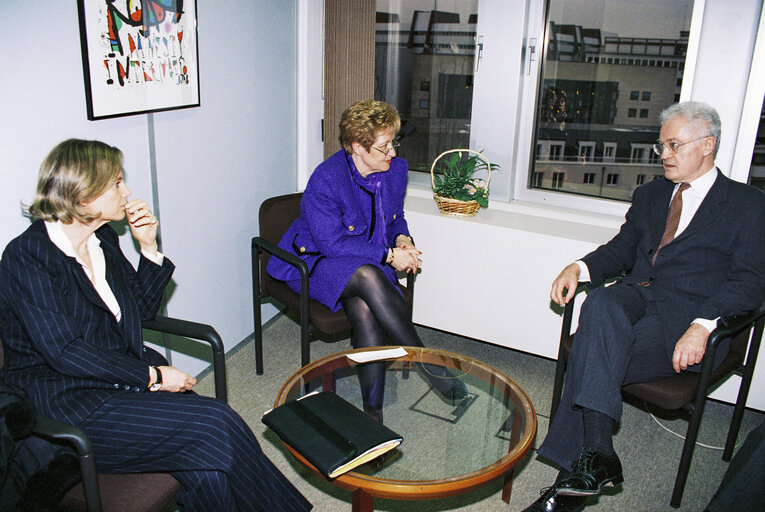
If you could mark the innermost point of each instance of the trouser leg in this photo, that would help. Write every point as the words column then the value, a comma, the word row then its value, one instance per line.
column 199, row 440
column 618, row 340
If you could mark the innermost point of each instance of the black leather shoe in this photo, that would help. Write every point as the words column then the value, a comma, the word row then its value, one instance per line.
column 457, row 393
column 452, row 389
column 591, row 473
column 551, row 501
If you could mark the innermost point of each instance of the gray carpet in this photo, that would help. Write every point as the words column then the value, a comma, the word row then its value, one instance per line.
column 649, row 453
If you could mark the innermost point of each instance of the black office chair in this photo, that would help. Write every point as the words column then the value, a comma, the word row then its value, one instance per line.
column 688, row 390
column 276, row 215
column 135, row 492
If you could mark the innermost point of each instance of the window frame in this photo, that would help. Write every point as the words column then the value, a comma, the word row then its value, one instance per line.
column 517, row 78
column 528, row 97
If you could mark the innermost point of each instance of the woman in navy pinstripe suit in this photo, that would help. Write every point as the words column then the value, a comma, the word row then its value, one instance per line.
column 71, row 307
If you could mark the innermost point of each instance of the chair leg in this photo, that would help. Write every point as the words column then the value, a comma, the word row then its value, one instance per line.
column 258, row 339
column 560, row 372
column 305, row 340
column 256, row 313
column 743, row 391
column 685, row 458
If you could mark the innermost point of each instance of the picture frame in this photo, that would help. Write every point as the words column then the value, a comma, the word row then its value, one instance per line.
column 141, row 61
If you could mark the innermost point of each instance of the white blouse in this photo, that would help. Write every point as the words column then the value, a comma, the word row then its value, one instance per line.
column 98, row 275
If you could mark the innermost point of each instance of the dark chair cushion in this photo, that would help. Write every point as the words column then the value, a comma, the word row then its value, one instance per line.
column 677, row 391
column 127, row 493
column 276, row 215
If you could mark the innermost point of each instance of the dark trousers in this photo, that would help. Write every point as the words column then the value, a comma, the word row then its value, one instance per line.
column 618, row 341
column 201, row 441
column 743, row 486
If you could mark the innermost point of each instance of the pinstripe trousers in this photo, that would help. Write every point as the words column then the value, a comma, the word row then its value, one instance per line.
column 201, row 441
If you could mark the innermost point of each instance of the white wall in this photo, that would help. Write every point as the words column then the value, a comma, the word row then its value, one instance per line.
column 215, row 164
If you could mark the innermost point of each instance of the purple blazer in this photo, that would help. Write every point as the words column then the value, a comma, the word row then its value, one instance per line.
column 334, row 233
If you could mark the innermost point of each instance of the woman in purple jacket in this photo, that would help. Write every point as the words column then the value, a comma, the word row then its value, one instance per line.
column 352, row 234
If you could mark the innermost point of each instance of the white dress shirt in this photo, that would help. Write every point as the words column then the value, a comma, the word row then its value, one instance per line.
column 98, row 275
column 692, row 198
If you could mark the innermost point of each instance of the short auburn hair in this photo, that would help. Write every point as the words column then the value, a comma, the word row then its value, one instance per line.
column 73, row 172
column 366, row 120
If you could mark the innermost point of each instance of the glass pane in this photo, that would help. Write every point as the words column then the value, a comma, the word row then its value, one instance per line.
column 424, row 61
column 610, row 68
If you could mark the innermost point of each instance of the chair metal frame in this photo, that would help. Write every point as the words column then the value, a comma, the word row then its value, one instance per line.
column 734, row 326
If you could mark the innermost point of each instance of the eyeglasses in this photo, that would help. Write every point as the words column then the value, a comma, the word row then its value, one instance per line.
column 673, row 146
column 394, row 145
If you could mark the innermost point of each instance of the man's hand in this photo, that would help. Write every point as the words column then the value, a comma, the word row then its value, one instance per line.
column 567, row 281
column 690, row 348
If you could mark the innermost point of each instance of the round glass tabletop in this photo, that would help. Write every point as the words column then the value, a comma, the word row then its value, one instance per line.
column 448, row 448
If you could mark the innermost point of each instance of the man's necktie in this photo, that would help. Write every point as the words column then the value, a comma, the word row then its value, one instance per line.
column 673, row 219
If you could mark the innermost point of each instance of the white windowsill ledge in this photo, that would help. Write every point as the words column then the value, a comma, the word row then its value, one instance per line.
column 548, row 220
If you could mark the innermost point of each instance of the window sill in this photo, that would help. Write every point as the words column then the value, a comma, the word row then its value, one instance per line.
column 555, row 221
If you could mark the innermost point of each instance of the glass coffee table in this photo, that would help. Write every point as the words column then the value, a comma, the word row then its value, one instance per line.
column 448, row 449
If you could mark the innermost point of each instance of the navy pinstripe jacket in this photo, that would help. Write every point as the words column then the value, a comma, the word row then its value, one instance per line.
column 62, row 343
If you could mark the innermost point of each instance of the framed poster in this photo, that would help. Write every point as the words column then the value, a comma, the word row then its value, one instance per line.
column 138, row 56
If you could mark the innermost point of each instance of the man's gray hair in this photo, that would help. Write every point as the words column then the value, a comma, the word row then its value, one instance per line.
column 696, row 111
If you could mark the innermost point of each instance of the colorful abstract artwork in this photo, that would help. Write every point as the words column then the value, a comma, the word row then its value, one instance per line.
column 139, row 56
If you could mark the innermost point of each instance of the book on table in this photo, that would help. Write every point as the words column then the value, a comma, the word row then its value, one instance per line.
column 332, row 434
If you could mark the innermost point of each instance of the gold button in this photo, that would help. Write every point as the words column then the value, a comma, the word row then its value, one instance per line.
column 302, row 249
column 351, row 228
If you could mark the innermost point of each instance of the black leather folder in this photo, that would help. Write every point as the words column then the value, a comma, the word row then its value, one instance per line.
column 329, row 432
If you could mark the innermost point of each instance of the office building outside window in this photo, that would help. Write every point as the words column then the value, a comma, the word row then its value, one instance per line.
column 605, row 79
column 424, row 62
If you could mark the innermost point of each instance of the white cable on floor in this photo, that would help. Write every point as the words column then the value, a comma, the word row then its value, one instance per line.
column 682, row 436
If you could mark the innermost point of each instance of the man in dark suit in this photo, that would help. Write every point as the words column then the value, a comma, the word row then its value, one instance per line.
column 693, row 252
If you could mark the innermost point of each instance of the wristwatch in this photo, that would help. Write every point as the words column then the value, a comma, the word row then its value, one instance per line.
column 158, row 383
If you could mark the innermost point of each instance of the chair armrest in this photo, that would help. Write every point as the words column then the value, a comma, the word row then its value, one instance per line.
column 261, row 244
column 733, row 326
column 282, row 254
column 201, row 332
column 63, row 433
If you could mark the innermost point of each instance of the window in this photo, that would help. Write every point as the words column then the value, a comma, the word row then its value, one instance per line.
column 586, row 151
column 593, row 70
column 556, row 150
column 609, row 151
column 640, row 179
column 424, row 65
column 589, row 178
column 658, row 176
column 557, row 180
column 641, row 153
column 538, row 178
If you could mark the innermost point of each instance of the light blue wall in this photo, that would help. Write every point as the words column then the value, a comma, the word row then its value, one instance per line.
column 215, row 164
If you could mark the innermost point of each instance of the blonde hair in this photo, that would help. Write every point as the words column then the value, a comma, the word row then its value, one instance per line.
column 74, row 171
column 366, row 120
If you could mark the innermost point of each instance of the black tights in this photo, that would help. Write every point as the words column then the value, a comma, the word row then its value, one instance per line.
column 375, row 309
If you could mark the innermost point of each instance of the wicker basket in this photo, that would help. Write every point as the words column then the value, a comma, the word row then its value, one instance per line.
column 457, row 207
